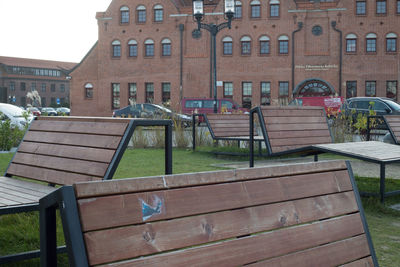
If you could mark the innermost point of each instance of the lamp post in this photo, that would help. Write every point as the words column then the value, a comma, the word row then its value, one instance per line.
column 198, row 13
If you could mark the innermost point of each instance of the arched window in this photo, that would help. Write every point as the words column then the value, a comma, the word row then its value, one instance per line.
column 116, row 48
column 283, row 41
column 166, row 47
column 264, row 45
column 133, row 49
column 351, row 43
column 274, row 7
column 149, row 48
column 255, row 6
column 124, row 14
column 158, row 13
column 227, row 45
column 371, row 43
column 391, row 42
column 246, row 45
column 238, row 10
column 141, row 14
column 89, row 90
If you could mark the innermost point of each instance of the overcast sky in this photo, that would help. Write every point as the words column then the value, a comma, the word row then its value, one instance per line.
column 62, row 30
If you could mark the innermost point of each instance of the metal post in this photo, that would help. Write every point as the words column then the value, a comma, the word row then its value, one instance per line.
column 382, row 182
column 214, row 31
column 194, row 132
column 251, row 140
column 168, row 149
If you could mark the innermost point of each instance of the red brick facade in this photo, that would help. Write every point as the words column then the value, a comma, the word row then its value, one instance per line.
column 324, row 43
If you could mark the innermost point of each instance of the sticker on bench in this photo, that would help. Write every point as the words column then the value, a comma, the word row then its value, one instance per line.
column 149, row 210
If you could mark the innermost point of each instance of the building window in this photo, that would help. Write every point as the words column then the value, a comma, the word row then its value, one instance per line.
column 149, row 48
column 255, row 9
column 238, row 10
column 62, row 88
column 264, row 45
column 351, row 89
column 52, row 87
column 33, row 87
column 132, row 47
column 132, row 93
column 124, row 14
column 89, row 90
column 283, row 45
column 23, row 101
column 43, row 87
column 351, row 43
column 247, row 94
column 370, row 88
column 116, row 100
column 391, row 89
column 141, row 14
column 149, row 92
column 116, row 48
column 227, row 45
column 361, row 7
column 398, row 7
column 265, row 93
column 23, row 86
column 44, row 102
column 12, row 86
column 246, row 45
column 283, row 89
column 228, row 90
column 53, row 101
column 166, row 93
column 166, row 47
column 158, row 13
column 381, row 7
column 391, row 42
column 274, row 8
column 371, row 43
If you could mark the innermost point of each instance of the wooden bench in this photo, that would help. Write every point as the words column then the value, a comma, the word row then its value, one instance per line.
column 291, row 129
column 393, row 124
column 227, row 127
column 64, row 151
column 291, row 215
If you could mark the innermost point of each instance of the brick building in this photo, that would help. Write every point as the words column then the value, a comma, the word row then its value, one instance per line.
column 18, row 76
column 150, row 51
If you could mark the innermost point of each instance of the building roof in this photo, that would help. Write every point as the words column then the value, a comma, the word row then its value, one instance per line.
column 36, row 63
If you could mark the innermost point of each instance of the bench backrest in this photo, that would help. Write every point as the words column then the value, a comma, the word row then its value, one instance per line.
column 66, row 150
column 393, row 123
column 289, row 128
column 228, row 125
column 287, row 215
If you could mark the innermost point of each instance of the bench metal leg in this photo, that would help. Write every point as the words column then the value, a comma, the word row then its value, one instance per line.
column 168, row 149
column 382, row 182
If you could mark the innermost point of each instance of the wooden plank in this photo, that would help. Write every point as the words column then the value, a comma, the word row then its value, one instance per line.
column 133, row 185
column 251, row 249
column 127, row 209
column 73, row 152
column 211, row 116
column 300, row 113
column 366, row 262
column 87, row 119
column 296, row 134
column 296, row 119
column 332, row 254
column 86, row 140
column 297, row 127
column 62, row 164
column 239, row 123
column 83, row 127
column 303, row 141
column 51, row 176
column 18, row 197
column 133, row 241
column 21, row 184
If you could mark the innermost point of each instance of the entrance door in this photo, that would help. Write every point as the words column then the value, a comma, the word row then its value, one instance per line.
column 313, row 87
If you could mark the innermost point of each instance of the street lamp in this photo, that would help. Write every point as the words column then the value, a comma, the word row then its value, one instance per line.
column 198, row 14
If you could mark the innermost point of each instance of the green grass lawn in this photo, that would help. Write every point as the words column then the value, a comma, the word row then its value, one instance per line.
column 20, row 232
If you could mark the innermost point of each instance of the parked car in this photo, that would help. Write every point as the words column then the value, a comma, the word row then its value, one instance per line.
column 17, row 116
column 63, row 111
column 330, row 103
column 380, row 105
column 35, row 111
column 152, row 111
column 206, row 105
column 47, row 111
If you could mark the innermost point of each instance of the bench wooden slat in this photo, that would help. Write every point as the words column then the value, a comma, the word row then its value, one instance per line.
column 96, row 128
column 205, row 199
column 83, row 153
column 63, row 164
column 253, row 248
column 333, row 254
column 212, row 116
column 286, row 112
column 17, row 184
column 365, row 262
column 230, row 123
column 298, row 127
column 295, row 119
column 60, row 177
column 300, row 141
column 109, row 142
column 295, row 134
column 125, row 186
column 393, row 122
column 138, row 240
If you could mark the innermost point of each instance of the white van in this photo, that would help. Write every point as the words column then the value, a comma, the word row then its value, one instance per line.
column 15, row 115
